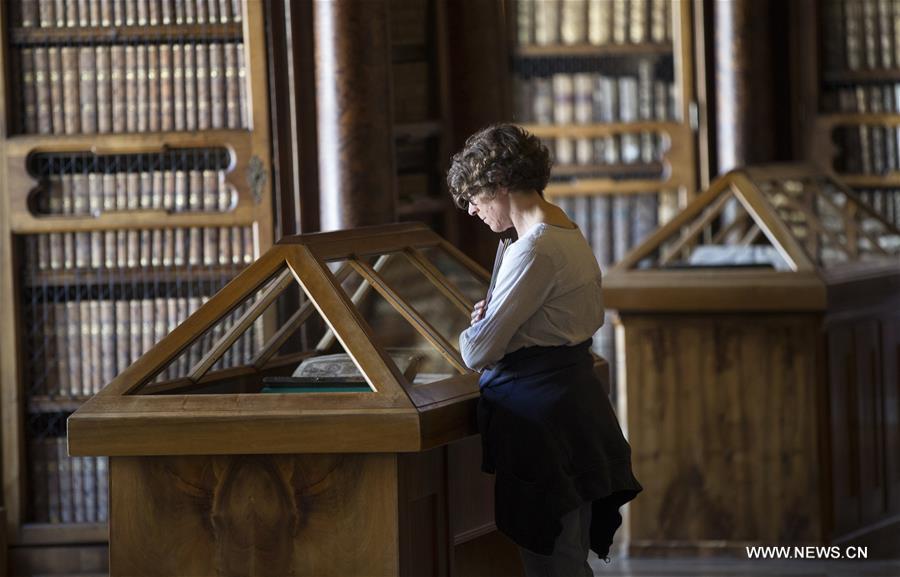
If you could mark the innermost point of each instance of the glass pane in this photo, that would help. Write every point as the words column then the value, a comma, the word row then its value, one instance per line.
column 472, row 286
column 418, row 359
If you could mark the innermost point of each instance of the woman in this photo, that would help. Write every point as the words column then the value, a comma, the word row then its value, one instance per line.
column 562, row 465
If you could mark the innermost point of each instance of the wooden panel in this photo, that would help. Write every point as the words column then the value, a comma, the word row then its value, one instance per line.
column 259, row 515
column 81, row 560
column 425, row 540
column 890, row 359
column 844, row 446
column 471, row 491
column 722, row 414
column 869, row 419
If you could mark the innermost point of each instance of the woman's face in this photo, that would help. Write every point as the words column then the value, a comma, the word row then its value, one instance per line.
column 493, row 211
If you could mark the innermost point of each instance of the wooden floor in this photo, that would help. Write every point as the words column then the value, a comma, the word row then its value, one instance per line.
column 742, row 568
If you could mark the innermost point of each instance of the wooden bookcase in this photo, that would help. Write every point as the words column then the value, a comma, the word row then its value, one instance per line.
column 132, row 204
column 610, row 87
column 848, row 110
column 421, row 112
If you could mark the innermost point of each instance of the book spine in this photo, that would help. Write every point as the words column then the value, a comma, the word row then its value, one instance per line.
column 50, row 457
column 94, row 18
column 143, row 88
column 237, row 10
column 122, row 335
column 637, row 16
column 167, row 13
column 885, row 33
column 102, row 464
column 77, row 491
column 225, row 11
column 620, row 26
column 237, row 245
column 573, row 24
column 131, row 89
column 658, row 23
column 166, row 89
column 89, row 485
column 42, row 90
column 870, row 33
column 201, row 55
column 106, row 13
column 88, row 90
column 525, row 21
column 73, row 326
column 563, row 105
column 242, row 87
column 29, row 91
column 232, row 87
column 57, row 105
column 153, row 89
column 84, row 308
column 217, row 85
column 583, row 114
column 546, row 22
column 47, row 13
column 621, row 222
column 61, row 316
column 172, row 201
column 28, row 15
column 143, row 13
column 190, row 87
column 136, row 333
column 104, row 90
column 628, row 102
column 153, row 13
column 645, row 108
column 853, row 38
column 178, row 86
column 190, row 11
column 148, row 325
column 118, row 92
column 96, row 347
column 599, row 20
column 107, row 342
column 64, row 476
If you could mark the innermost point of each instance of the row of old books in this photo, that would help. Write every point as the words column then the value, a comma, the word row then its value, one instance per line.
column 132, row 87
column 867, row 148
column 117, row 250
column 82, row 345
column 82, row 13
column 67, row 489
column 588, row 98
column 94, row 193
column 549, row 22
column 861, row 34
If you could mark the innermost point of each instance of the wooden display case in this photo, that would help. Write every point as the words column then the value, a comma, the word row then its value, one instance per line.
column 326, row 453
column 758, row 361
column 133, row 174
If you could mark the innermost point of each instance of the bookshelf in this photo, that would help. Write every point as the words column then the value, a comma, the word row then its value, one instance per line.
column 421, row 112
column 136, row 183
column 850, row 94
column 609, row 87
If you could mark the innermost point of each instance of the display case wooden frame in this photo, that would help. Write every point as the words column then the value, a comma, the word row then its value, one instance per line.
column 774, row 390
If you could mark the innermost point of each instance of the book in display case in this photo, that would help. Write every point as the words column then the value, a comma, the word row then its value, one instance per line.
column 135, row 184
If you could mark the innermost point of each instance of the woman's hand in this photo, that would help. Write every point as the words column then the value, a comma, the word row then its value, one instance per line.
column 478, row 312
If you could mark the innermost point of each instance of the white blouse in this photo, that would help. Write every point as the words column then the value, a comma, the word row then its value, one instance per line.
column 547, row 293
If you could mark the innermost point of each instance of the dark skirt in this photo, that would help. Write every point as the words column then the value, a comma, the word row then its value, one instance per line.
column 550, row 436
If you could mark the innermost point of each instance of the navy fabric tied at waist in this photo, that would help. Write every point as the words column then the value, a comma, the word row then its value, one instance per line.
column 550, row 435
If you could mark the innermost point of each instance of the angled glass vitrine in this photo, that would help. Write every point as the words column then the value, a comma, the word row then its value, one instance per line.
column 296, row 421
column 760, row 332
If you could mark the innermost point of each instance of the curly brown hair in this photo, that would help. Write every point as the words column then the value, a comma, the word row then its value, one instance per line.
column 499, row 156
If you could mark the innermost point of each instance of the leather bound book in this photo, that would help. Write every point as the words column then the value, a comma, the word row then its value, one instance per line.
column 242, row 86
column 573, row 21
column 178, row 86
column 217, row 85
column 29, row 91
column 153, row 89
column 131, row 89
column 637, row 21
column 143, row 88
column 42, row 90
column 232, row 87
column 46, row 13
column 525, row 21
column 167, row 121
column 659, row 24
column 74, row 347
column 546, row 22
column 104, row 89
column 599, row 21
column 190, row 87
column 122, row 335
column 57, row 100
column 201, row 56
column 620, row 25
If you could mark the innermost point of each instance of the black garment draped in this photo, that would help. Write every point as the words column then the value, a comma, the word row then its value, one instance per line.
column 550, row 436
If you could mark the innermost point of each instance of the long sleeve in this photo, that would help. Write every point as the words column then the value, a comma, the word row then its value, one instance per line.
column 523, row 284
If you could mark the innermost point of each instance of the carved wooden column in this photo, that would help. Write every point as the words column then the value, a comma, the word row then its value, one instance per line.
column 744, row 83
column 356, row 151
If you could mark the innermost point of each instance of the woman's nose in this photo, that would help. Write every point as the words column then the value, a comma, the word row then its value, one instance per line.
column 472, row 209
